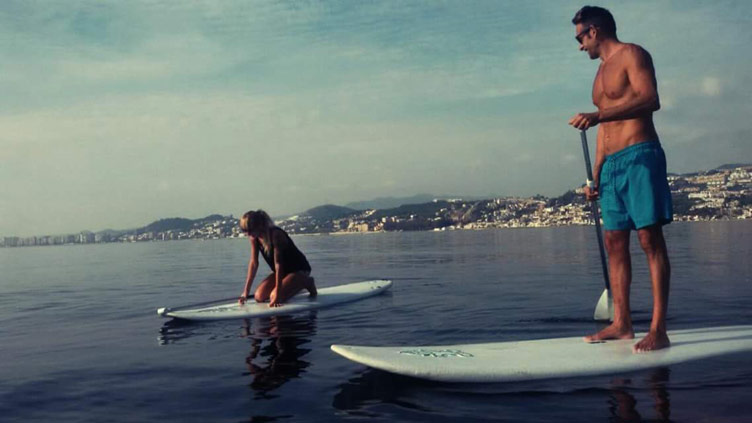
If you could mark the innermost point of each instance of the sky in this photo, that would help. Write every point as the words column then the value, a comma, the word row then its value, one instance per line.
column 116, row 114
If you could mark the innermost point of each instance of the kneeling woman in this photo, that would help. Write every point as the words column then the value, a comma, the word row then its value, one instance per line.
column 290, row 269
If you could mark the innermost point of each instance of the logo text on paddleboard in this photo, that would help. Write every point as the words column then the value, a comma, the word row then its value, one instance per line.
column 445, row 353
column 218, row 309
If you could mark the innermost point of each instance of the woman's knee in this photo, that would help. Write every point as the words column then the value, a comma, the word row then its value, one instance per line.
column 264, row 289
column 262, row 293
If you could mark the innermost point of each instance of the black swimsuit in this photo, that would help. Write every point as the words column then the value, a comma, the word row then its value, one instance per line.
column 290, row 258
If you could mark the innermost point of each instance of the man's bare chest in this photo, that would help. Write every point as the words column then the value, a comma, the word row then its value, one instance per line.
column 611, row 84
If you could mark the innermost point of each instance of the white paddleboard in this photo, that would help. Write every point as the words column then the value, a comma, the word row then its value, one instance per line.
column 546, row 358
column 302, row 302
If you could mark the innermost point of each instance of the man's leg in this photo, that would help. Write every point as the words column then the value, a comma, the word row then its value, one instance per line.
column 654, row 245
column 620, row 272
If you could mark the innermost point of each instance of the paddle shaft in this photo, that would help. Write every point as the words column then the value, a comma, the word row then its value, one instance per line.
column 596, row 214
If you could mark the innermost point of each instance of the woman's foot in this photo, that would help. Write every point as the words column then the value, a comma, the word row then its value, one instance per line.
column 311, row 287
column 611, row 332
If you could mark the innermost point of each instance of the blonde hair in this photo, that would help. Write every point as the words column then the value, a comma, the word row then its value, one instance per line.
column 255, row 221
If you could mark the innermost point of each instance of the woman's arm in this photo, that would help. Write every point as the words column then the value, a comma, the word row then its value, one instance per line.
column 252, row 267
column 280, row 242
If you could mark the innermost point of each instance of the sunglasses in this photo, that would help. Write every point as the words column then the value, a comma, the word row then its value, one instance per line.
column 582, row 33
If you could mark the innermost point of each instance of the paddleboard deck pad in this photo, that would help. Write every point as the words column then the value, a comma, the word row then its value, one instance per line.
column 230, row 309
column 547, row 358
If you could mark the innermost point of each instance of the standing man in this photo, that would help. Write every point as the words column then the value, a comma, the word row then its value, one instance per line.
column 630, row 169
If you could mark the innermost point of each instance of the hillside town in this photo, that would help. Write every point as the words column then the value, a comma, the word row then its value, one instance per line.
column 724, row 193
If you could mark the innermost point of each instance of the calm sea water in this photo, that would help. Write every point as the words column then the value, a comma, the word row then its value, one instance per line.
column 80, row 339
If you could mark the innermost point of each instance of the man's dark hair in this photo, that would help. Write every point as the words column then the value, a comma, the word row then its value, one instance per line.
column 598, row 17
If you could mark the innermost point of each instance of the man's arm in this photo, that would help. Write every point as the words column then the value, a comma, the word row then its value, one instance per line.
column 600, row 156
column 592, row 194
column 641, row 75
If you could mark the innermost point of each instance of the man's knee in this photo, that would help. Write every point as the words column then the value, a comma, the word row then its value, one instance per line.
column 651, row 239
column 617, row 241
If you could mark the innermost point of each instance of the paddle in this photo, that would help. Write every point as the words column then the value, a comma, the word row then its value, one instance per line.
column 604, row 309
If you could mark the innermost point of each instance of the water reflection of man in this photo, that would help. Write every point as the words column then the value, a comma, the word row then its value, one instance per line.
column 377, row 387
column 624, row 405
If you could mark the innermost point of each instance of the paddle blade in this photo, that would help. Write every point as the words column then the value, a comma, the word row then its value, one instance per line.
column 604, row 310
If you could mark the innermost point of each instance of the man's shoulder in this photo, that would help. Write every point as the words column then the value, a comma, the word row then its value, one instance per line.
column 633, row 55
column 630, row 50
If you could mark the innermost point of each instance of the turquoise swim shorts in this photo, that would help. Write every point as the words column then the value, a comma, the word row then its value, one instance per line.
column 634, row 191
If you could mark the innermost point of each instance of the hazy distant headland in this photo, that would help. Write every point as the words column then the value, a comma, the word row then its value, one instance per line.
column 720, row 194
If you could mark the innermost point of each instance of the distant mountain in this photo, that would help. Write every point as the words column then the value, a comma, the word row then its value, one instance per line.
column 429, row 208
column 393, row 202
column 733, row 166
column 390, row 202
column 329, row 212
column 179, row 223
column 168, row 224
column 569, row 197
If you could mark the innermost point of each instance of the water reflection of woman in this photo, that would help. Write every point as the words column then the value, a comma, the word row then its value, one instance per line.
column 282, row 353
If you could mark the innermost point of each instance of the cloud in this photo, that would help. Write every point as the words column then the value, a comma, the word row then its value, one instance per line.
column 524, row 158
column 675, row 92
column 711, row 86
column 569, row 158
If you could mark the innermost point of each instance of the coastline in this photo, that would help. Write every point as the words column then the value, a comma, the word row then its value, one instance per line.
column 379, row 232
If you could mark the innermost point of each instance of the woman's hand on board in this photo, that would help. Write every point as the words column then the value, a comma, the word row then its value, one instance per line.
column 273, row 299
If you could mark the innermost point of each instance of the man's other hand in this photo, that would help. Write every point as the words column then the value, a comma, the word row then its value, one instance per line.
column 591, row 194
column 584, row 120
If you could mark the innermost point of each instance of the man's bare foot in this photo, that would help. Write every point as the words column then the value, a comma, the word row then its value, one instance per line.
column 311, row 287
column 611, row 332
column 651, row 342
